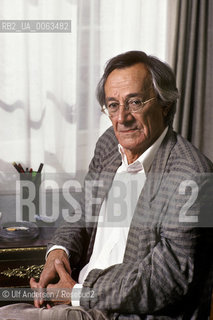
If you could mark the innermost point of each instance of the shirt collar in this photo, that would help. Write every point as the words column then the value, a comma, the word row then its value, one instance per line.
column 144, row 162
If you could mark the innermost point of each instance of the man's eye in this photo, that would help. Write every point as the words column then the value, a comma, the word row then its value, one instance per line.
column 135, row 102
column 113, row 106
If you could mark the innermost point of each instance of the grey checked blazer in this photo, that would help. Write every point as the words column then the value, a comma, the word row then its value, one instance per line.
column 167, row 267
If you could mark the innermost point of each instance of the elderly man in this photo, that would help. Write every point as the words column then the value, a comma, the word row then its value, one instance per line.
column 146, row 254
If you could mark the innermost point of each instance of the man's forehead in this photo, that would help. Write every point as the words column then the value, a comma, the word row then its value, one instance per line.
column 137, row 68
column 137, row 73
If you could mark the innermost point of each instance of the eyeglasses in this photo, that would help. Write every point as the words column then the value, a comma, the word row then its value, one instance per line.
column 132, row 105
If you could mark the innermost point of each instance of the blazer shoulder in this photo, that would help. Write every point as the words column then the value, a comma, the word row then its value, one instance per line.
column 106, row 143
column 189, row 157
column 106, row 147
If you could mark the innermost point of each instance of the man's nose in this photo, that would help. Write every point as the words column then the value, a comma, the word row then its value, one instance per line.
column 123, row 114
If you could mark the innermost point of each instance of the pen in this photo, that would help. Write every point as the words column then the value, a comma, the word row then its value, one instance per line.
column 21, row 168
column 40, row 168
column 17, row 167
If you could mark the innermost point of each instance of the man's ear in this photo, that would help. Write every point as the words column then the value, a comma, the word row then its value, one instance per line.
column 165, row 110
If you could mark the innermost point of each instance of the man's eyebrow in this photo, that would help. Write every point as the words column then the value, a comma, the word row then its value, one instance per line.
column 111, row 99
column 130, row 95
column 135, row 94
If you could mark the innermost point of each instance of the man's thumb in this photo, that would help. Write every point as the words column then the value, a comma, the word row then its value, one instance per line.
column 57, row 261
column 59, row 267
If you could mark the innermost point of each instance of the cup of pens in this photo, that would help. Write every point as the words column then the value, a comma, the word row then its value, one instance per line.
column 30, row 182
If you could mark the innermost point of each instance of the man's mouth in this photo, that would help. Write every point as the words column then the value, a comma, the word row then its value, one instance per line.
column 127, row 130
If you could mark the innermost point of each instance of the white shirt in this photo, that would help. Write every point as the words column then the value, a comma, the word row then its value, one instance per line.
column 116, row 213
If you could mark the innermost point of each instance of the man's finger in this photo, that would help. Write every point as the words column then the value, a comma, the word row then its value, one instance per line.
column 36, row 285
column 33, row 283
column 44, row 279
column 52, row 286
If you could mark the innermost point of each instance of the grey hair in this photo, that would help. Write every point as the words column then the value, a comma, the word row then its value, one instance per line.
column 162, row 79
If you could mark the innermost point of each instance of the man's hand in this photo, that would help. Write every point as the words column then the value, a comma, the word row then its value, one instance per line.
column 62, row 289
column 50, row 273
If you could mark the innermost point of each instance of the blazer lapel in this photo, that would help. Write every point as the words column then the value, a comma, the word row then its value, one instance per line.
column 158, row 167
column 101, row 183
column 107, row 175
column 104, row 179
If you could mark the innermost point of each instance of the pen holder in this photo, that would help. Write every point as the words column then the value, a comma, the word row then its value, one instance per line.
column 29, row 195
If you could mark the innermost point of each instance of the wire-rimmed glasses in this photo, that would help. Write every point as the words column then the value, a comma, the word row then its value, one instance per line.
column 132, row 105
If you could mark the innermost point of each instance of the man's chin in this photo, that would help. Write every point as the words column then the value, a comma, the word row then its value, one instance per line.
column 128, row 144
column 128, row 135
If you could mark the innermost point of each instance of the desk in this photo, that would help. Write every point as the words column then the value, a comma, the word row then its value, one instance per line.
column 19, row 261
column 17, row 256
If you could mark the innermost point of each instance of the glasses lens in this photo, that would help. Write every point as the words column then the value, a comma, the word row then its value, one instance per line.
column 134, row 104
